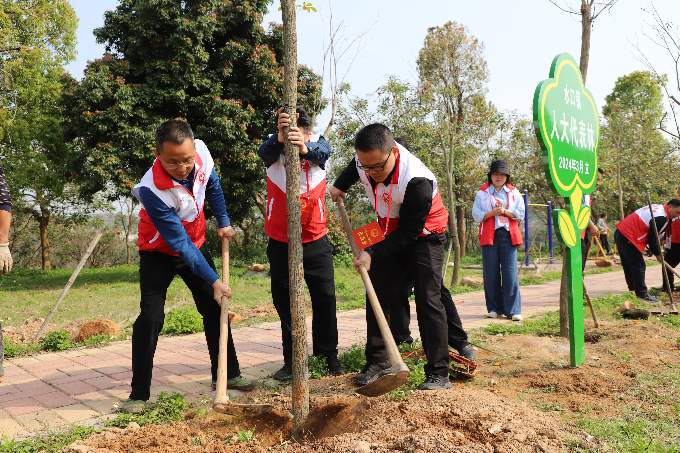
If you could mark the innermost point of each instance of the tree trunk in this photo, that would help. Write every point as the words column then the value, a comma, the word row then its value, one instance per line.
column 619, row 188
column 127, row 234
column 300, row 389
column 564, row 300
column 586, row 25
column 43, row 222
column 247, row 241
column 261, row 202
column 462, row 235
column 453, row 231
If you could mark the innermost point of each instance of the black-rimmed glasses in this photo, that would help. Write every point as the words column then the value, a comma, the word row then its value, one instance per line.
column 375, row 168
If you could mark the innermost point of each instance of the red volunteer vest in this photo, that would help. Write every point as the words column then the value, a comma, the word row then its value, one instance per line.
column 488, row 227
column 312, row 200
column 408, row 167
column 635, row 227
column 675, row 231
column 188, row 206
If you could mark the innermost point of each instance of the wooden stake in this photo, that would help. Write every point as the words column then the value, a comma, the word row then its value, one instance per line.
column 83, row 260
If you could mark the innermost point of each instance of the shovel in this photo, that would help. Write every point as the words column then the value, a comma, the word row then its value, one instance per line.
column 222, row 404
column 399, row 373
column 592, row 310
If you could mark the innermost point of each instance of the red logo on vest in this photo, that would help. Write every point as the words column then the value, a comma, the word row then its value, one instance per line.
column 201, row 177
column 385, row 197
column 304, row 165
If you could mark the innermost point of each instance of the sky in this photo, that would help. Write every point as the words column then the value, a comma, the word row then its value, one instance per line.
column 521, row 38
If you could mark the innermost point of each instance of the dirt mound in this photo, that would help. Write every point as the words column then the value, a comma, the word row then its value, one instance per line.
column 26, row 332
column 101, row 326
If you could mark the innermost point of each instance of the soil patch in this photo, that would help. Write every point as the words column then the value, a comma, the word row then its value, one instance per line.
column 26, row 332
column 522, row 401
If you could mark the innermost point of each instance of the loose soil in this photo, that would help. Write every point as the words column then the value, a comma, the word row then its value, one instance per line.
column 522, row 401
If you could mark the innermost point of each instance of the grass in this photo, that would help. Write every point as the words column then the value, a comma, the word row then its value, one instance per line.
column 50, row 442
column 57, row 340
column 649, row 422
column 113, row 293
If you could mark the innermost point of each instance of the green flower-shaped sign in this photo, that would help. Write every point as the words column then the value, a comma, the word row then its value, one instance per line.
column 568, row 129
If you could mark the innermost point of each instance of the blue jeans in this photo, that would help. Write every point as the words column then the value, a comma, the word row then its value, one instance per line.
column 501, row 283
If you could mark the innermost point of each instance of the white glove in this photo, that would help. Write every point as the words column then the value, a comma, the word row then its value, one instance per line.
column 5, row 259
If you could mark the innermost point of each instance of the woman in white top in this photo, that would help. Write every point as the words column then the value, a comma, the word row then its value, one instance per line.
column 498, row 207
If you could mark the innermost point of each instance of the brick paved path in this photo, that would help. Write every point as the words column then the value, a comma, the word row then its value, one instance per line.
column 77, row 386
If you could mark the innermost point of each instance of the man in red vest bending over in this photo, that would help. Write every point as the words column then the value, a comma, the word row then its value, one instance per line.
column 410, row 211
column 172, row 242
column 672, row 255
column 633, row 234
column 317, row 254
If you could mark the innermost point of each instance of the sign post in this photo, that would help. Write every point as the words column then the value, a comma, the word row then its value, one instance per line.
column 568, row 130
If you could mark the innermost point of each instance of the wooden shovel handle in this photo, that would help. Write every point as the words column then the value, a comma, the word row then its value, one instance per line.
column 388, row 339
column 224, row 329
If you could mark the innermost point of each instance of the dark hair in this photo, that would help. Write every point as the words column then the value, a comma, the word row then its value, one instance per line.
column 488, row 179
column 603, row 215
column 674, row 202
column 303, row 120
column 374, row 136
column 600, row 171
column 173, row 131
column 401, row 141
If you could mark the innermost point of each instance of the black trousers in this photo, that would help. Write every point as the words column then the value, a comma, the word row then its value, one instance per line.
column 585, row 243
column 400, row 316
column 604, row 240
column 633, row 264
column 156, row 272
column 317, row 261
column 425, row 259
column 672, row 257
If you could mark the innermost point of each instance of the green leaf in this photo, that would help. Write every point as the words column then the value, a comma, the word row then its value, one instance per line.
column 566, row 229
column 583, row 218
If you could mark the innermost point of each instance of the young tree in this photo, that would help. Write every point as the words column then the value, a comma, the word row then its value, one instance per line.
column 37, row 41
column 589, row 11
column 208, row 62
column 451, row 65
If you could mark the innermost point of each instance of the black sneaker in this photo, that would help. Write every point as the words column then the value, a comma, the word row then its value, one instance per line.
column 435, row 382
column 335, row 368
column 649, row 299
column 468, row 353
column 372, row 372
column 284, row 374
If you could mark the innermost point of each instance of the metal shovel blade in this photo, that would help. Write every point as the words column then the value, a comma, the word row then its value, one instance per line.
column 397, row 377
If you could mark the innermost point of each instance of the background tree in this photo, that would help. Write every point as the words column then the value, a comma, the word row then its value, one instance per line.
column 208, row 62
column 632, row 145
column 37, row 39
column 451, row 65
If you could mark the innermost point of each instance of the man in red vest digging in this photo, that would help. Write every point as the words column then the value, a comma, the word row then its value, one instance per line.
column 317, row 256
column 633, row 234
column 409, row 207
column 672, row 255
column 172, row 242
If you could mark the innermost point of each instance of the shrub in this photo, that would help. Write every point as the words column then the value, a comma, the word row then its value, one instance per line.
column 180, row 321
column 57, row 341
column 354, row 358
column 168, row 408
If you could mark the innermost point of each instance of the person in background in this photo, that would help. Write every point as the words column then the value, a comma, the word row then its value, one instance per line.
column 498, row 207
column 634, row 233
column 591, row 229
column 317, row 253
column 672, row 255
column 604, row 233
column 5, row 255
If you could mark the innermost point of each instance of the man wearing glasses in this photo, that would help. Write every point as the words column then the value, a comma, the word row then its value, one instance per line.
column 172, row 242
column 410, row 211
